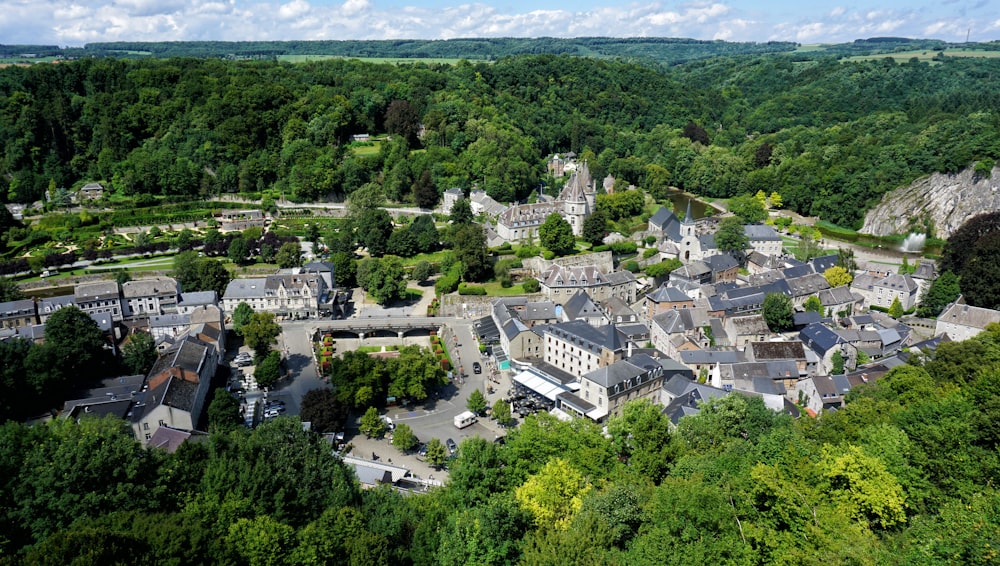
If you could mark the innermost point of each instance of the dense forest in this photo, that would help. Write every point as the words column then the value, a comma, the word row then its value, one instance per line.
column 906, row 473
column 830, row 136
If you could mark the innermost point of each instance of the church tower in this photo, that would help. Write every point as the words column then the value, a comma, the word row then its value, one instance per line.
column 575, row 205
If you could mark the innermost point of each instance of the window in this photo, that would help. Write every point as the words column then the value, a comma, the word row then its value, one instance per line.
column 148, row 436
column 162, row 423
column 145, row 426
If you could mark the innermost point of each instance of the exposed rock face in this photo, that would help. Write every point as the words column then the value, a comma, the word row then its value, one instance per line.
column 947, row 201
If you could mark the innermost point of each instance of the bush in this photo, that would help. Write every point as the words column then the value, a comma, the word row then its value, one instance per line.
column 624, row 248
column 531, row 285
column 548, row 254
column 525, row 252
column 466, row 289
column 631, row 265
column 600, row 248
column 649, row 252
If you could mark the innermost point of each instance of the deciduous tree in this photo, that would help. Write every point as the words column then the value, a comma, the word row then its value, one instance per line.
column 557, row 235
column 372, row 424
column 554, row 494
column 837, row 276
column 289, row 255
column 437, row 454
column 241, row 316
column 139, row 353
column 777, row 312
column 260, row 333
column 403, row 437
column 476, row 402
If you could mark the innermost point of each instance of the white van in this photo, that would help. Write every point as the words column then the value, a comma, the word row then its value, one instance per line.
column 465, row 419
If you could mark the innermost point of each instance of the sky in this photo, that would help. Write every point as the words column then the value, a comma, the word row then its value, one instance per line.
column 76, row 22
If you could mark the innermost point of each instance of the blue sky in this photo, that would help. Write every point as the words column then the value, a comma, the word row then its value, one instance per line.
column 75, row 22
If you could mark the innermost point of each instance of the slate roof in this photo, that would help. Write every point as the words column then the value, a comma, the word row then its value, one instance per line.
column 18, row 308
column 807, row 284
column 50, row 305
column 581, row 306
column 538, row 310
column 837, row 296
column 967, row 315
column 582, row 276
column 747, row 325
column 667, row 294
column 96, row 291
column 188, row 354
column 822, row 263
column 797, row 271
column 721, row 262
column 160, row 287
column 584, row 335
column 710, row 356
column 615, row 374
column 667, row 222
column 820, row 338
column 169, row 320
column 707, row 241
column 760, row 233
column 898, row 282
column 197, row 298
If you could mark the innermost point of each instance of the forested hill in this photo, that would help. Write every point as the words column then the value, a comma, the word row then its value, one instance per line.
column 658, row 49
column 831, row 137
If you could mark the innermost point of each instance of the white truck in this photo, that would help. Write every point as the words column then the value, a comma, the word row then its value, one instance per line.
column 465, row 419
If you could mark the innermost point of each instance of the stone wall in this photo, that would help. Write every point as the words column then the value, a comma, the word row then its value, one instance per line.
column 602, row 260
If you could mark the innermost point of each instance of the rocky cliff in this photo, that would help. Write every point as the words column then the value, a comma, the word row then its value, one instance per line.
column 941, row 201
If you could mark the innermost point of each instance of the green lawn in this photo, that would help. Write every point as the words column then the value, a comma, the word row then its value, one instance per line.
column 494, row 289
column 366, row 150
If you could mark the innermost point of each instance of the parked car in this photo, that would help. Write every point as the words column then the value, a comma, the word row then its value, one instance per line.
column 477, row 368
column 452, row 447
column 422, row 451
column 271, row 413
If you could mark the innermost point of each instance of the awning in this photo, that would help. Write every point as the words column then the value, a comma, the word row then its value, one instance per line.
column 540, row 385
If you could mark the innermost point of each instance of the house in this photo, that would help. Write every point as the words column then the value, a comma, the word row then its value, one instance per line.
column 145, row 297
column 895, row 286
column 100, row 297
column 742, row 330
column 113, row 396
column 777, row 351
column 177, row 388
column 758, row 263
column 665, row 225
column 580, row 307
column 520, row 223
column 822, row 392
column 483, row 204
column 559, row 283
column 763, row 239
column 805, row 286
column 666, row 298
column 91, row 191
column 168, row 325
column 617, row 311
column 577, row 347
column 839, row 300
column 239, row 220
column 681, row 397
column 666, row 327
column 49, row 305
column 697, row 272
column 188, row 302
column 961, row 321
column 286, row 295
column 698, row 360
column 610, row 387
column 724, row 267
column 18, row 314
column 451, row 196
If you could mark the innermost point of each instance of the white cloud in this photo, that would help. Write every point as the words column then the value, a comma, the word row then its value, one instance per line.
column 78, row 21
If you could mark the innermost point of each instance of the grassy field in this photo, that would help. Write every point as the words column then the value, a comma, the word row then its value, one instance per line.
column 367, row 149
column 927, row 55
column 495, row 289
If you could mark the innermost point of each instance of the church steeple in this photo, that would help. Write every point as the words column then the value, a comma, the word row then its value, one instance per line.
column 687, row 215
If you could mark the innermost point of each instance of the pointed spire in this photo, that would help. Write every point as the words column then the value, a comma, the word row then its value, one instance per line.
column 687, row 215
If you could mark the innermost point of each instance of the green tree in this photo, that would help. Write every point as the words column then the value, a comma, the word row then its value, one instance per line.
column 595, row 227
column 261, row 540
column 863, row 483
column 139, row 353
column 345, row 268
column 267, row 253
column 470, row 250
column 777, row 312
column 554, row 494
column 422, row 271
column 403, row 437
column 374, row 227
column 732, row 239
column 813, row 304
column 260, row 333
column 531, row 285
column 896, row 308
column 501, row 412
column 437, row 454
column 748, row 208
column 383, row 279
column 838, row 363
column 979, row 279
column 476, row 402
column 372, row 424
column 557, row 235
column 324, row 410
column 241, row 316
column 425, row 194
column 9, row 290
column 223, row 412
column 461, row 212
column 413, row 373
column 641, row 437
column 289, row 255
column 943, row 291
column 837, row 276
column 239, row 250
column 268, row 369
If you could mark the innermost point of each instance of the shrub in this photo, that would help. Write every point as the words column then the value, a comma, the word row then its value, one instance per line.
column 548, row 254
column 466, row 289
column 525, row 252
column 600, row 248
column 631, row 265
column 649, row 252
column 623, row 248
column 531, row 285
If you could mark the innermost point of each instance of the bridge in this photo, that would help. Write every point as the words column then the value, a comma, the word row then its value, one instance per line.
column 399, row 324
